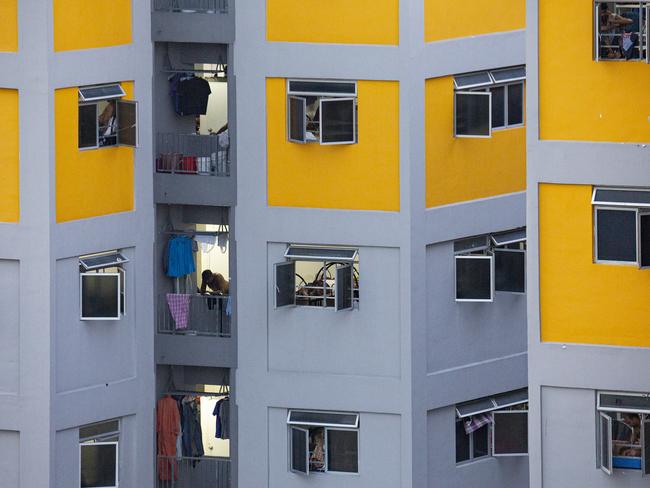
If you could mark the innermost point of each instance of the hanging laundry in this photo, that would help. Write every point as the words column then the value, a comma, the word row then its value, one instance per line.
column 167, row 422
column 476, row 422
column 179, row 308
column 206, row 242
column 189, row 94
column 192, row 434
column 222, row 413
column 180, row 260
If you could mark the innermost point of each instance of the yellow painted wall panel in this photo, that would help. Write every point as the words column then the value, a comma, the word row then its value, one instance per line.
column 449, row 20
column 9, row 157
column 89, row 183
column 81, row 24
column 581, row 99
column 462, row 169
column 334, row 21
column 362, row 176
column 9, row 25
column 582, row 302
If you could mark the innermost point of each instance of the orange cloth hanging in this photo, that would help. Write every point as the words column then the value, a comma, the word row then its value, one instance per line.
column 167, row 428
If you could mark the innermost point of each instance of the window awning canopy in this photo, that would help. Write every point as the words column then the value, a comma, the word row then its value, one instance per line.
column 626, row 197
column 489, row 404
column 310, row 253
column 481, row 243
column 323, row 419
column 99, row 261
column 334, row 88
column 102, row 92
column 487, row 78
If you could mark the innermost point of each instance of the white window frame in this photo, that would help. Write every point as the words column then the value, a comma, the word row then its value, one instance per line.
column 117, row 98
column 117, row 459
column 474, row 256
column 472, row 93
column 327, row 261
column 636, row 237
column 118, row 314
column 493, row 436
column 320, row 97
column 596, row 45
column 488, row 444
column 306, row 427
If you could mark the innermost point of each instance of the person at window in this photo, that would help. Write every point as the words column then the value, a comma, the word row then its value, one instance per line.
column 107, row 125
column 610, row 27
column 216, row 282
column 317, row 449
column 313, row 114
column 628, row 436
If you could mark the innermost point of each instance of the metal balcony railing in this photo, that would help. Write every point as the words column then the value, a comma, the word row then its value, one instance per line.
column 186, row 314
column 192, row 154
column 189, row 472
column 192, row 6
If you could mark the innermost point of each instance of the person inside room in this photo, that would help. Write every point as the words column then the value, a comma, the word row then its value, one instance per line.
column 627, row 438
column 317, row 450
column 611, row 26
column 217, row 284
column 107, row 124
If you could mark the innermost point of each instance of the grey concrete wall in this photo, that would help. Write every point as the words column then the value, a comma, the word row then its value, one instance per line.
column 92, row 353
column 10, row 328
column 362, row 342
column 10, row 460
column 464, row 333
column 379, row 439
column 510, row 472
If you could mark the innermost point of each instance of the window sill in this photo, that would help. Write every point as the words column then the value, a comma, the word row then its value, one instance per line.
column 472, row 462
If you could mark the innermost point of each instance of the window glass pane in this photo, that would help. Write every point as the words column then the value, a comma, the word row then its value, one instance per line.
column 99, row 295
column 516, row 104
column 344, row 287
column 98, row 92
column 605, row 437
column 337, row 121
column 107, row 122
column 633, row 197
column 509, row 237
column 471, row 244
column 478, row 406
column 472, row 79
column 510, row 433
column 342, row 451
column 473, row 114
column 462, row 443
column 473, row 278
column 321, row 253
column 646, row 447
column 644, row 229
column 512, row 397
column 510, row 271
column 317, row 87
column 616, row 239
column 87, row 125
column 629, row 402
column 323, row 418
column 299, row 450
column 102, row 260
column 480, row 442
column 99, row 429
column 98, row 462
column 285, row 284
column 127, row 134
column 297, row 107
column 508, row 74
column 498, row 106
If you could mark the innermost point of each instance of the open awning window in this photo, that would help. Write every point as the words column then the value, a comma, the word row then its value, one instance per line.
column 323, row 419
column 508, row 75
column 100, row 261
column 617, row 402
column 489, row 404
column 481, row 79
column 309, row 253
column 621, row 197
column 102, row 92
column 511, row 237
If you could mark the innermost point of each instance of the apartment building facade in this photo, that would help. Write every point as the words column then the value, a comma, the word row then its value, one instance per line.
column 381, row 172
column 370, row 326
column 587, row 188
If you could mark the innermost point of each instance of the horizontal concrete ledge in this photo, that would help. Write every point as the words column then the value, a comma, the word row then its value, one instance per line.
column 186, row 350
column 194, row 189
column 216, row 28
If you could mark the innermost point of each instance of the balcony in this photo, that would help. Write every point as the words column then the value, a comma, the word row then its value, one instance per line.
column 188, row 472
column 194, row 330
column 192, row 21
column 193, row 169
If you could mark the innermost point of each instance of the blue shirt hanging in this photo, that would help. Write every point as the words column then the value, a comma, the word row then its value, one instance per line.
column 180, row 260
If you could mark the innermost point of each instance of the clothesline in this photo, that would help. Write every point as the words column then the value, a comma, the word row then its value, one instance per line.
column 200, row 393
